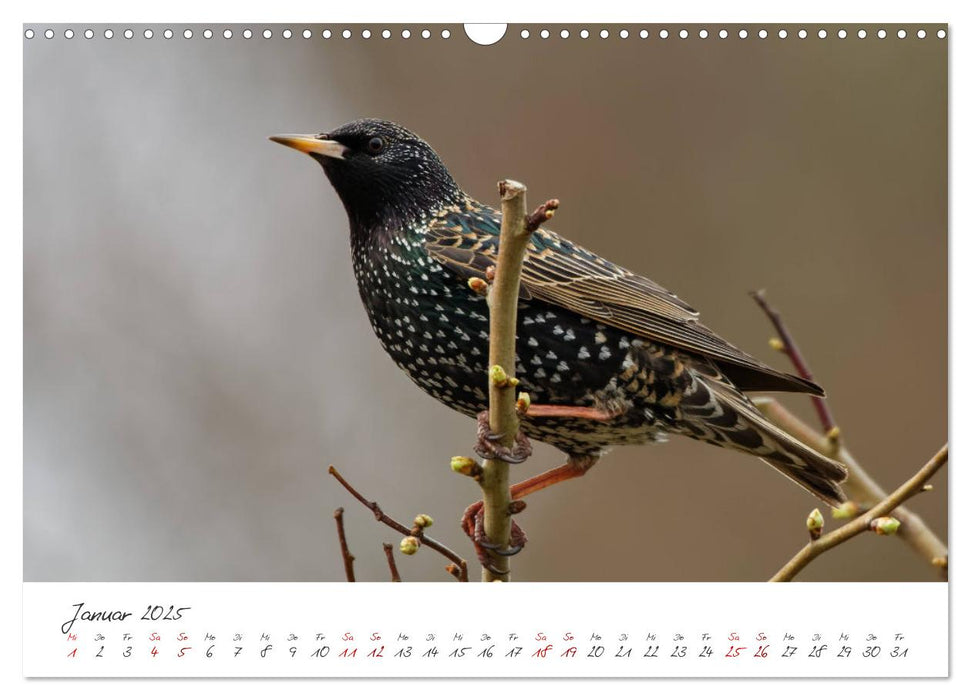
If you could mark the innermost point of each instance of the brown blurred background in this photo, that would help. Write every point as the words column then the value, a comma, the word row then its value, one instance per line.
column 195, row 353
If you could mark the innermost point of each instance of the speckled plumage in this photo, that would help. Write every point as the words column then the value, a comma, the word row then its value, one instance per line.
column 590, row 333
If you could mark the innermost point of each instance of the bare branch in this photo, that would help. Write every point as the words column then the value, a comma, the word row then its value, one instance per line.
column 863, row 523
column 395, row 525
column 461, row 573
column 859, row 487
column 345, row 551
column 790, row 348
column 389, row 553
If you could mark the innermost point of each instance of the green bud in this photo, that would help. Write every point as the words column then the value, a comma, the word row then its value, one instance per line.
column 423, row 521
column 465, row 465
column 814, row 523
column 884, row 526
column 498, row 376
column 409, row 545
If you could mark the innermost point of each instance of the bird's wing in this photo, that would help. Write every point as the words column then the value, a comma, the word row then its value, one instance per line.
column 465, row 240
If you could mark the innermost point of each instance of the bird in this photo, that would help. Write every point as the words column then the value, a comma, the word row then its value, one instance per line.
column 607, row 356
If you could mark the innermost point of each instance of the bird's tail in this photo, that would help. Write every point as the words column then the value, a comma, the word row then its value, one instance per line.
column 714, row 411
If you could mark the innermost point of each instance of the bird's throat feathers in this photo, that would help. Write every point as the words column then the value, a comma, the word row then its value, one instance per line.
column 387, row 200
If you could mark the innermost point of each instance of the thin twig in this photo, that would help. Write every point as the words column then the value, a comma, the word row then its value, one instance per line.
column 859, row 487
column 389, row 553
column 345, row 550
column 541, row 214
column 790, row 348
column 461, row 573
column 395, row 525
column 860, row 524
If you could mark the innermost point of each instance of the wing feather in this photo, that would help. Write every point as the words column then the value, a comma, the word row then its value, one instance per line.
column 559, row 272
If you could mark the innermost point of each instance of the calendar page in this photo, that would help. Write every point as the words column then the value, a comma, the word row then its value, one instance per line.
column 561, row 630
column 327, row 325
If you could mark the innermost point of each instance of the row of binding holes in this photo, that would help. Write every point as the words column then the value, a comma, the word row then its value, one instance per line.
column 445, row 34
column 246, row 34
column 724, row 34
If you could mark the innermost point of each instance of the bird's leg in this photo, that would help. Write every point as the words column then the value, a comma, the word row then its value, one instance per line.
column 575, row 466
column 472, row 520
column 487, row 444
column 539, row 410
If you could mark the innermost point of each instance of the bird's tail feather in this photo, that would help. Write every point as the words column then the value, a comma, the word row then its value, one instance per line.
column 714, row 411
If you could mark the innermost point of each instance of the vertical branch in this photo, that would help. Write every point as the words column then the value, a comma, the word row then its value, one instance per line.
column 345, row 550
column 503, row 297
column 503, row 300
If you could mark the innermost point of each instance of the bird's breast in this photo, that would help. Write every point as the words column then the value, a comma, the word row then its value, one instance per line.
column 437, row 331
column 430, row 327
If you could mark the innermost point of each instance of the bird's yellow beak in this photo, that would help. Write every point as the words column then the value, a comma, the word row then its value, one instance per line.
column 308, row 143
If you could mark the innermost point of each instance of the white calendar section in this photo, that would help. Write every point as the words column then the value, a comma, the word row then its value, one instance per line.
column 499, row 630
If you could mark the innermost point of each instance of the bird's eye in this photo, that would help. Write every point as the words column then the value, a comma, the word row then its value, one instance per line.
column 375, row 145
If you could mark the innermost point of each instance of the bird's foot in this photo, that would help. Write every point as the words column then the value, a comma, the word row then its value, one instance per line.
column 488, row 446
column 473, row 524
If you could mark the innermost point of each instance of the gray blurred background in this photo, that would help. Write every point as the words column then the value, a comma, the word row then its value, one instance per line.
column 195, row 352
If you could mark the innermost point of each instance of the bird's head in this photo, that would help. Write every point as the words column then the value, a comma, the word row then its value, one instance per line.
column 384, row 174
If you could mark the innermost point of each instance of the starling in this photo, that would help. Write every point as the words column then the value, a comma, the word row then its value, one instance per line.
column 607, row 356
